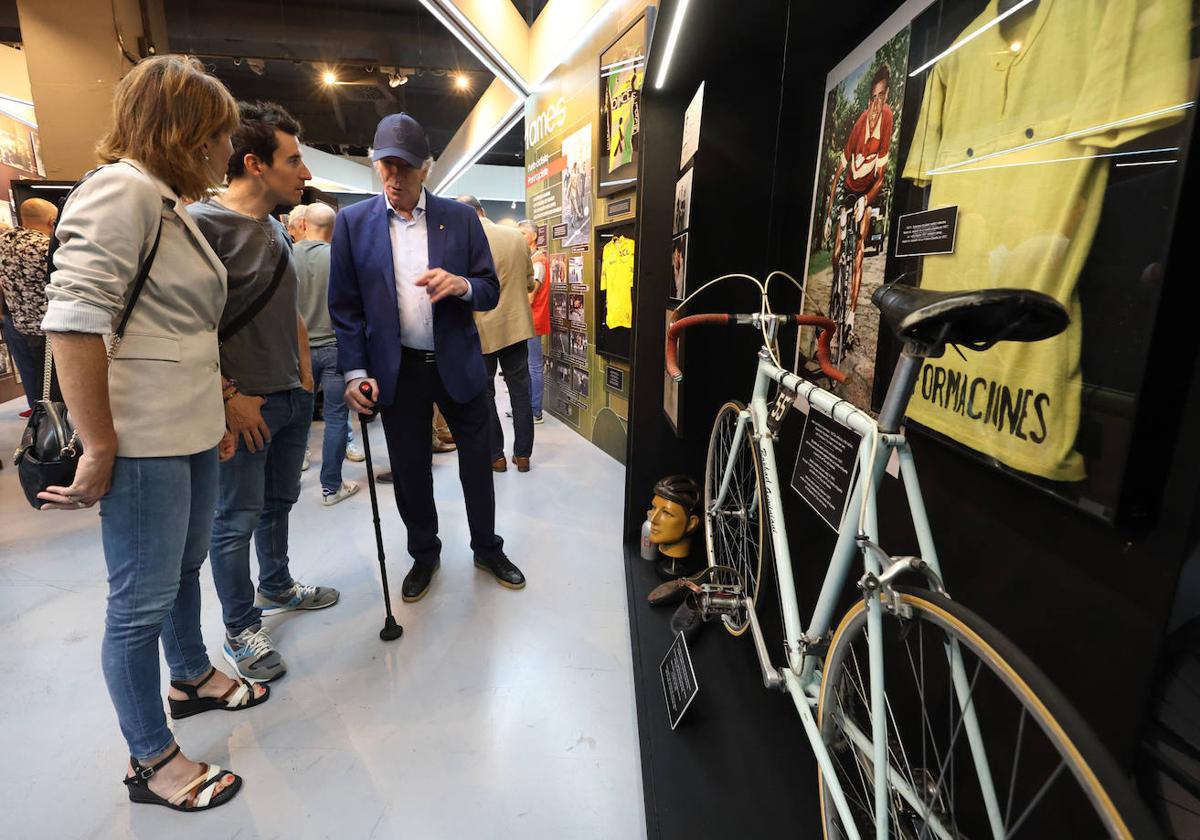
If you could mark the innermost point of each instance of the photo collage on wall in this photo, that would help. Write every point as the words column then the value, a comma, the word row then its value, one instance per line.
column 965, row 148
column 681, row 219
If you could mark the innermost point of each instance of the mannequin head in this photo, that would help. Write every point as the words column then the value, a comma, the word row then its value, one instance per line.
column 673, row 515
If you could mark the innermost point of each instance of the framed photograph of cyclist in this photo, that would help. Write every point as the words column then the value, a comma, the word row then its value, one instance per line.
column 579, row 381
column 679, row 267
column 1066, row 183
column 577, row 348
column 856, row 176
column 577, row 186
column 683, row 203
column 558, row 269
column 622, row 71
column 558, row 308
column 560, row 345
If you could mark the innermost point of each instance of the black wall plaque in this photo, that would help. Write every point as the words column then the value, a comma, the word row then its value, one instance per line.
column 559, row 231
column 678, row 679
column 620, row 206
column 614, row 379
column 824, row 466
column 542, row 237
column 927, row 232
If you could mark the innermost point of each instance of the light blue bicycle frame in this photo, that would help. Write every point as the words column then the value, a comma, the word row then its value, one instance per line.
column 801, row 677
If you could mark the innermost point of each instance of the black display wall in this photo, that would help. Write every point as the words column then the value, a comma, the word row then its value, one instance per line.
column 1088, row 601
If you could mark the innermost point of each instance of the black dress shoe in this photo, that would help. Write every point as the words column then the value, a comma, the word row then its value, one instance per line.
column 501, row 567
column 416, row 582
column 384, row 477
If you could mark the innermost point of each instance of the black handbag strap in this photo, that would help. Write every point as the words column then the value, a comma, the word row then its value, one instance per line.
column 251, row 311
column 140, row 280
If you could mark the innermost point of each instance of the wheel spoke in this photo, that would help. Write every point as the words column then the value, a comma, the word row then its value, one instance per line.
column 1062, row 765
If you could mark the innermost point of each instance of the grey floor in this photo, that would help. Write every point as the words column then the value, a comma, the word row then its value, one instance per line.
column 498, row 714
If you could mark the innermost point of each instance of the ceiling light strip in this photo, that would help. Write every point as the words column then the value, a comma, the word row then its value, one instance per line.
column 672, row 39
column 480, row 47
column 514, row 115
column 621, row 70
column 963, row 42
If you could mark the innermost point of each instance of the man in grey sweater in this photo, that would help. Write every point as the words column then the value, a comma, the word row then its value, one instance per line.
column 311, row 255
column 267, row 387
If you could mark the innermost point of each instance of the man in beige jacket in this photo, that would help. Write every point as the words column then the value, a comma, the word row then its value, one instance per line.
column 504, row 333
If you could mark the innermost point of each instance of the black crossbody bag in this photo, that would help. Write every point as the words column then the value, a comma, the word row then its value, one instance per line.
column 50, row 447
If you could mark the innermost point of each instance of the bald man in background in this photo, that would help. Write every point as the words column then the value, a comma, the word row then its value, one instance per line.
column 23, row 278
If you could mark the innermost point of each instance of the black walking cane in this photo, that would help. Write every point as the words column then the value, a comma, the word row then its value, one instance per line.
column 391, row 630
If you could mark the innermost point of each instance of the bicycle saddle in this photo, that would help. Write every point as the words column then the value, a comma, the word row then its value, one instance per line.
column 975, row 319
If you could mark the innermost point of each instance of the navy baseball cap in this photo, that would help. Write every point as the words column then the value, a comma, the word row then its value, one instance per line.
column 399, row 135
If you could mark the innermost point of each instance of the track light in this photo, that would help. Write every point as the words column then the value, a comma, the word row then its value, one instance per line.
column 395, row 80
column 462, row 82
column 329, row 78
column 257, row 65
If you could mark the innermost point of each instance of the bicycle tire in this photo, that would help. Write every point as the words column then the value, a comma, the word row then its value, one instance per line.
column 1098, row 782
column 734, row 535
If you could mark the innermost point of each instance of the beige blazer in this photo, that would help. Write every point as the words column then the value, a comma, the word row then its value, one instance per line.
column 164, row 383
column 512, row 320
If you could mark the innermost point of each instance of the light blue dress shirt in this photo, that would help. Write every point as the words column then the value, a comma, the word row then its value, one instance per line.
column 410, row 259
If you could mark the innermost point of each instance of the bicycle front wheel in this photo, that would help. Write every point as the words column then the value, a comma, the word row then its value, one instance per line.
column 733, row 523
column 984, row 747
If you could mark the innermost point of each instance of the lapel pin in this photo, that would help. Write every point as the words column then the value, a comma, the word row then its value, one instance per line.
column 441, row 227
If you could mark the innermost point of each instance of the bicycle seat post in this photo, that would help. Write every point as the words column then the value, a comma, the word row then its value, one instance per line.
column 904, row 380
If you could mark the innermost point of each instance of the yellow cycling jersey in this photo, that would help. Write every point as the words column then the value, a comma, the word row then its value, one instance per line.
column 1013, row 131
column 616, row 280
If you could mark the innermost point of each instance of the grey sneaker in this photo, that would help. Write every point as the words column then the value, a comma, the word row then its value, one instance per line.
column 254, row 656
column 300, row 598
column 354, row 452
column 348, row 489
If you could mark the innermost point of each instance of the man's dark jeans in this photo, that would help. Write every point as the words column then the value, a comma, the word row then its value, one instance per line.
column 513, row 360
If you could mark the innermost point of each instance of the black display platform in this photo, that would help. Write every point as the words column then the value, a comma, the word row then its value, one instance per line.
column 739, row 764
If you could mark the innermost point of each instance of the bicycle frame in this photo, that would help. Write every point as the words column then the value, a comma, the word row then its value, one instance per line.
column 801, row 677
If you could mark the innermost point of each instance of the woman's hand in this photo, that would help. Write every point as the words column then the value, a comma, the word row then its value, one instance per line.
column 93, row 477
column 227, row 447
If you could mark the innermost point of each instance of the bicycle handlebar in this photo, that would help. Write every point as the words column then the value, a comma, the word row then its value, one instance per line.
column 825, row 325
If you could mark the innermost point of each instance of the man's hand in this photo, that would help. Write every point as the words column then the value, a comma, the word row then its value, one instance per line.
column 860, row 207
column 306, row 378
column 440, row 283
column 355, row 398
column 93, row 477
column 243, row 417
column 828, row 228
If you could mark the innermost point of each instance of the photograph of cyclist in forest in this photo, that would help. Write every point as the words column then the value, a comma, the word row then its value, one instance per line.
column 855, row 188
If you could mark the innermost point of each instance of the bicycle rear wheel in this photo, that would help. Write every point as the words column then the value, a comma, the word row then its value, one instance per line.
column 734, row 529
column 1049, row 776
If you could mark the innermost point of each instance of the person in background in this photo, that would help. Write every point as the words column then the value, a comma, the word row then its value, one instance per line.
column 297, row 223
column 539, row 303
column 267, row 385
column 151, row 421
column 430, row 255
column 23, row 280
column 311, row 254
column 504, row 334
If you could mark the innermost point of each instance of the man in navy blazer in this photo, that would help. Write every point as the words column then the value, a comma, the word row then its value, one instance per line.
column 407, row 270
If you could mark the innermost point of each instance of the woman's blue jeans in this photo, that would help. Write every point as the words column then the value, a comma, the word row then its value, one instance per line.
column 155, row 523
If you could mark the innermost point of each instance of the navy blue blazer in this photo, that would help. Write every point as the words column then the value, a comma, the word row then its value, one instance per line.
column 362, row 294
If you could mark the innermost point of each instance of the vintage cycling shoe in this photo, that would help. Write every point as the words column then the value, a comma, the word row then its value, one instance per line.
column 674, row 591
column 687, row 618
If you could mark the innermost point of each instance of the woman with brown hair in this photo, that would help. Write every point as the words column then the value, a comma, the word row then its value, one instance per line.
column 151, row 422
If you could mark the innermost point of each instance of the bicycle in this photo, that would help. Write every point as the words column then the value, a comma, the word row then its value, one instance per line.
column 842, row 340
column 925, row 721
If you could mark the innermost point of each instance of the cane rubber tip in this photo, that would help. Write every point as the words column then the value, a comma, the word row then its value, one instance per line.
column 391, row 630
